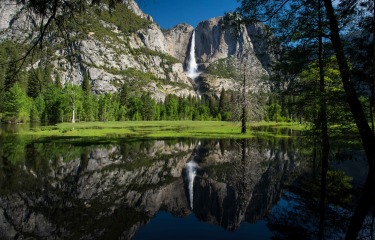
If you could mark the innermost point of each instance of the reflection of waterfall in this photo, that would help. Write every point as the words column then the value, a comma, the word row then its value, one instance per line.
column 192, row 67
column 191, row 172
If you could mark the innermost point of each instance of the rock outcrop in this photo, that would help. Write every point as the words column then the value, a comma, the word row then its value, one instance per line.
column 177, row 41
column 139, row 58
column 221, row 37
column 242, row 46
column 149, row 58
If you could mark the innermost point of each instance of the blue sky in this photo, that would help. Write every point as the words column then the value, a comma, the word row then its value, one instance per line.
column 168, row 13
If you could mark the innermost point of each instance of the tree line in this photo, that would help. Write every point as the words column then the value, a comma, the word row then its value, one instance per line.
column 38, row 95
column 34, row 96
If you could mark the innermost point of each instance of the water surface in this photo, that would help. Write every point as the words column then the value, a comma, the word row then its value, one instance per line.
column 162, row 189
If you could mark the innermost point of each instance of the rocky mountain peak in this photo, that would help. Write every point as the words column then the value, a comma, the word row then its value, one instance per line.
column 133, row 6
column 148, row 57
column 177, row 40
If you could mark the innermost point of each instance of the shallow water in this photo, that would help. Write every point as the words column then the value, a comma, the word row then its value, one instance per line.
column 241, row 189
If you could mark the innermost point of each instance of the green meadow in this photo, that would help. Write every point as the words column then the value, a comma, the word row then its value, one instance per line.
column 158, row 129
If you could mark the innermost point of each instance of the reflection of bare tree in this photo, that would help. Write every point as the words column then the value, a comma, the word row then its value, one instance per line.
column 246, row 104
column 244, row 187
column 246, row 172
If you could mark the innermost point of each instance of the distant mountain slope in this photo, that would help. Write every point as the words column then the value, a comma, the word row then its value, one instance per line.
column 125, row 46
column 122, row 47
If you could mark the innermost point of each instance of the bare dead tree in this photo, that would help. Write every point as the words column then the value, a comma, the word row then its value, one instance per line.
column 247, row 104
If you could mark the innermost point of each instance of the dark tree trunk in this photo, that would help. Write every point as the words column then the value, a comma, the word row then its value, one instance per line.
column 324, row 141
column 373, row 69
column 324, row 138
column 362, row 209
column 243, row 115
column 243, row 123
column 367, row 136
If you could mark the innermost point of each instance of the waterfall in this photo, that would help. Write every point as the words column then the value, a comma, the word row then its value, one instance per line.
column 191, row 170
column 192, row 68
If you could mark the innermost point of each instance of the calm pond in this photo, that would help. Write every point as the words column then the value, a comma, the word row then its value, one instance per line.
column 173, row 189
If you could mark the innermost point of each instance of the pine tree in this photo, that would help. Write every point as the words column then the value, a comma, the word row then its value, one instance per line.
column 58, row 81
column 47, row 75
column 124, row 95
column 86, row 83
column 148, row 107
column 11, row 74
column 223, row 102
column 34, row 86
column 16, row 105
column 2, row 87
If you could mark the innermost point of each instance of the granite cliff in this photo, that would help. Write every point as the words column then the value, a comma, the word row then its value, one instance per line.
column 147, row 58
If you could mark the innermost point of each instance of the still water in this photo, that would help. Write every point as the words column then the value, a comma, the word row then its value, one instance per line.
column 169, row 189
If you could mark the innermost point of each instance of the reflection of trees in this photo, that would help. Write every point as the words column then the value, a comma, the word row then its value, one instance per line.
column 246, row 183
column 112, row 190
column 245, row 174
column 84, row 192
column 300, row 214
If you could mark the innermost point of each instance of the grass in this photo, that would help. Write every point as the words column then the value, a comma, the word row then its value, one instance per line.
column 279, row 125
column 152, row 130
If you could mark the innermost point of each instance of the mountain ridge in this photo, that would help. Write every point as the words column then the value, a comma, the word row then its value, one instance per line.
column 148, row 58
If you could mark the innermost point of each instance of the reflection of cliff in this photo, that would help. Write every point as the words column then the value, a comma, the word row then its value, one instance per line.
column 243, row 187
column 104, row 192
column 110, row 191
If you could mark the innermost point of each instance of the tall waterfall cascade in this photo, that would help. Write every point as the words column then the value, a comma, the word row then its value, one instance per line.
column 192, row 67
column 191, row 169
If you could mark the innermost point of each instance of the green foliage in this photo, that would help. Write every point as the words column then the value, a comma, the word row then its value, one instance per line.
column 132, row 73
column 34, row 84
column 339, row 187
column 17, row 105
column 146, row 51
column 125, row 20
column 148, row 109
column 300, row 102
column 337, row 107
column 58, row 81
column 222, row 68
column 273, row 112
column 37, row 109
column 11, row 69
column 108, row 107
column 90, row 107
column 124, row 94
column 86, row 83
column 135, row 108
column 55, row 105
column 171, row 107
column 224, row 106
column 40, row 78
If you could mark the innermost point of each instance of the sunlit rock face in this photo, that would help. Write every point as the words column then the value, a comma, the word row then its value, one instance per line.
column 149, row 51
column 177, row 41
column 110, row 60
column 219, row 38
column 110, row 191
column 222, row 42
